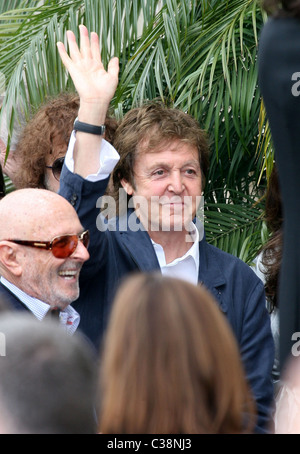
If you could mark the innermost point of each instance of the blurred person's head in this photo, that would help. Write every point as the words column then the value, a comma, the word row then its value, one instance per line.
column 47, row 379
column 42, row 248
column 170, row 363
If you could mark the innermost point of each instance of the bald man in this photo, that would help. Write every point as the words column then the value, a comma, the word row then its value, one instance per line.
column 42, row 249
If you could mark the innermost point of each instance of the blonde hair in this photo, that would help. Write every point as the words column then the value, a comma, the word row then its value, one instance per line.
column 170, row 363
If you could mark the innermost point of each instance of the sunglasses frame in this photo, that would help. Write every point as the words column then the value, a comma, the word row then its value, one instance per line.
column 48, row 245
column 57, row 161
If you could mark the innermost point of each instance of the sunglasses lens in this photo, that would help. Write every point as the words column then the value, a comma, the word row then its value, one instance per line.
column 57, row 167
column 64, row 246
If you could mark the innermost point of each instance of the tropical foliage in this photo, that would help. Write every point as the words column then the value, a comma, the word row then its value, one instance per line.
column 197, row 55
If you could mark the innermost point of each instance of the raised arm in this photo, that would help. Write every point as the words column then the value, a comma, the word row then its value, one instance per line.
column 96, row 87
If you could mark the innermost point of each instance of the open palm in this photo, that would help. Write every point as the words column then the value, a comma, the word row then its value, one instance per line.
column 93, row 83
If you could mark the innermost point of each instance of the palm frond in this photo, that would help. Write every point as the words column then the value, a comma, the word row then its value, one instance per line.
column 237, row 228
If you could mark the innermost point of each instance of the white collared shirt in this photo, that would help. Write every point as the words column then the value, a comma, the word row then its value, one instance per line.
column 69, row 318
column 185, row 267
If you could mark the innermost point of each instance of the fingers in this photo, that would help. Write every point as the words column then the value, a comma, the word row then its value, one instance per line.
column 85, row 64
column 113, row 67
column 73, row 49
column 89, row 49
column 95, row 47
column 85, row 48
column 63, row 54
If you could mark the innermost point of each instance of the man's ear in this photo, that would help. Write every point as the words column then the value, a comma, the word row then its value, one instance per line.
column 127, row 186
column 9, row 258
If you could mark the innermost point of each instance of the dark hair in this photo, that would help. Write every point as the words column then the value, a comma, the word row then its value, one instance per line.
column 149, row 128
column 273, row 208
column 282, row 8
column 2, row 184
column 272, row 250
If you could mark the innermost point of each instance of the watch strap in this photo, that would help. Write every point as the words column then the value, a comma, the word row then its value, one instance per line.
column 88, row 128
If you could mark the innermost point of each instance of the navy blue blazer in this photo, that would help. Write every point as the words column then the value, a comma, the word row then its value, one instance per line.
column 11, row 300
column 116, row 253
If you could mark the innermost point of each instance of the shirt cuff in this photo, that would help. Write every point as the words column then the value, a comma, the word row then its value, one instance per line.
column 108, row 158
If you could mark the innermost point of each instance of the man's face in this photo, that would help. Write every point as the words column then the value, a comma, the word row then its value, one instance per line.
column 167, row 187
column 50, row 279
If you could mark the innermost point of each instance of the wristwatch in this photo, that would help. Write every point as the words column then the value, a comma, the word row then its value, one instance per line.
column 90, row 129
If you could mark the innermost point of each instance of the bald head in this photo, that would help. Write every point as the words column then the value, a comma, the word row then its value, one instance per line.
column 31, row 214
column 40, row 216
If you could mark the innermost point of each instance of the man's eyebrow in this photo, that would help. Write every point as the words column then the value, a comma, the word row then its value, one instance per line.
column 193, row 162
column 159, row 164
column 166, row 165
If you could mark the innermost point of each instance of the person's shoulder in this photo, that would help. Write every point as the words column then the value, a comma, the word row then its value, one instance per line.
column 230, row 263
column 222, row 255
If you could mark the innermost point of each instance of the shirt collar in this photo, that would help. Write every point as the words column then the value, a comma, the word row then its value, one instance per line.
column 69, row 317
column 193, row 251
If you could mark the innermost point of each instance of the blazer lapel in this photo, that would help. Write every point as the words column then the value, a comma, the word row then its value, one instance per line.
column 138, row 243
column 141, row 250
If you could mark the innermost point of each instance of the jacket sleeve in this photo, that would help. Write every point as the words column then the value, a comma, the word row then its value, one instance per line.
column 85, row 196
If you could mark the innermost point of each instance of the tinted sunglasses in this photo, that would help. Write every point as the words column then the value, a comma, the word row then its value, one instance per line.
column 57, row 167
column 61, row 246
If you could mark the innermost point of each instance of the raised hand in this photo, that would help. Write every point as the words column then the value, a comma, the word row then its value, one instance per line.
column 96, row 87
column 93, row 83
